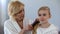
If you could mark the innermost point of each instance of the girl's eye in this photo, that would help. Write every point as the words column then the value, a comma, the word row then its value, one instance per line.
column 44, row 14
column 39, row 14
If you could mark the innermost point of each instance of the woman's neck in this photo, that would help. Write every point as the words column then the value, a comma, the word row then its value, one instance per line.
column 45, row 25
column 20, row 23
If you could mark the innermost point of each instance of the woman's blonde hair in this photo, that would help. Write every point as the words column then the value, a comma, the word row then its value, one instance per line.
column 14, row 7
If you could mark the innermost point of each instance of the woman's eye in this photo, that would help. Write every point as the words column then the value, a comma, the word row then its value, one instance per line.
column 23, row 9
column 20, row 11
column 39, row 14
column 44, row 14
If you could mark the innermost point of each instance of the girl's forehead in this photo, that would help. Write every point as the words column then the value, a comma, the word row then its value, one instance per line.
column 43, row 11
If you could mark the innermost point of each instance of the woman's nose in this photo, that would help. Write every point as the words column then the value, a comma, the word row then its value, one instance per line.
column 22, row 13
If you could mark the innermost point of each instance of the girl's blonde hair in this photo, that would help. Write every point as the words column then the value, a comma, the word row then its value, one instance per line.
column 14, row 7
column 34, row 31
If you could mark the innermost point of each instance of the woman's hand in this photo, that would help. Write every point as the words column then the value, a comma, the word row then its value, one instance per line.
column 22, row 31
column 30, row 27
column 27, row 28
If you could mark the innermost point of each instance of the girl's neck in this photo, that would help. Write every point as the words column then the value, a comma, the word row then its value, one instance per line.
column 45, row 25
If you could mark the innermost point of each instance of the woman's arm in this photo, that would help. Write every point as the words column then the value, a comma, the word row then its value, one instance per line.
column 10, row 31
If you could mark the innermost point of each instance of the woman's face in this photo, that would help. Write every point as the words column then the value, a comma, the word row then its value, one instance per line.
column 20, row 15
column 43, row 16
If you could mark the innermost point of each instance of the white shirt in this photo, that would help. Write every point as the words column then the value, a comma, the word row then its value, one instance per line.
column 50, row 30
column 12, row 27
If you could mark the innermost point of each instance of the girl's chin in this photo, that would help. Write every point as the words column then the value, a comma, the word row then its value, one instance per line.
column 41, row 22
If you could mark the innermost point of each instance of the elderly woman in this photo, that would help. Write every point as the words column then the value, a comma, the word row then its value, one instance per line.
column 14, row 25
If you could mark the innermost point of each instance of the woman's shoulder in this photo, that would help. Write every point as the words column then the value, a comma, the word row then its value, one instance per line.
column 7, row 23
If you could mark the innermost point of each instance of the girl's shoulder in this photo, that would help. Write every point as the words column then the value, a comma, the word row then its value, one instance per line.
column 53, row 27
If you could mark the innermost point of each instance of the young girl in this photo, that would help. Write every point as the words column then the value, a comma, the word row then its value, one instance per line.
column 44, row 27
